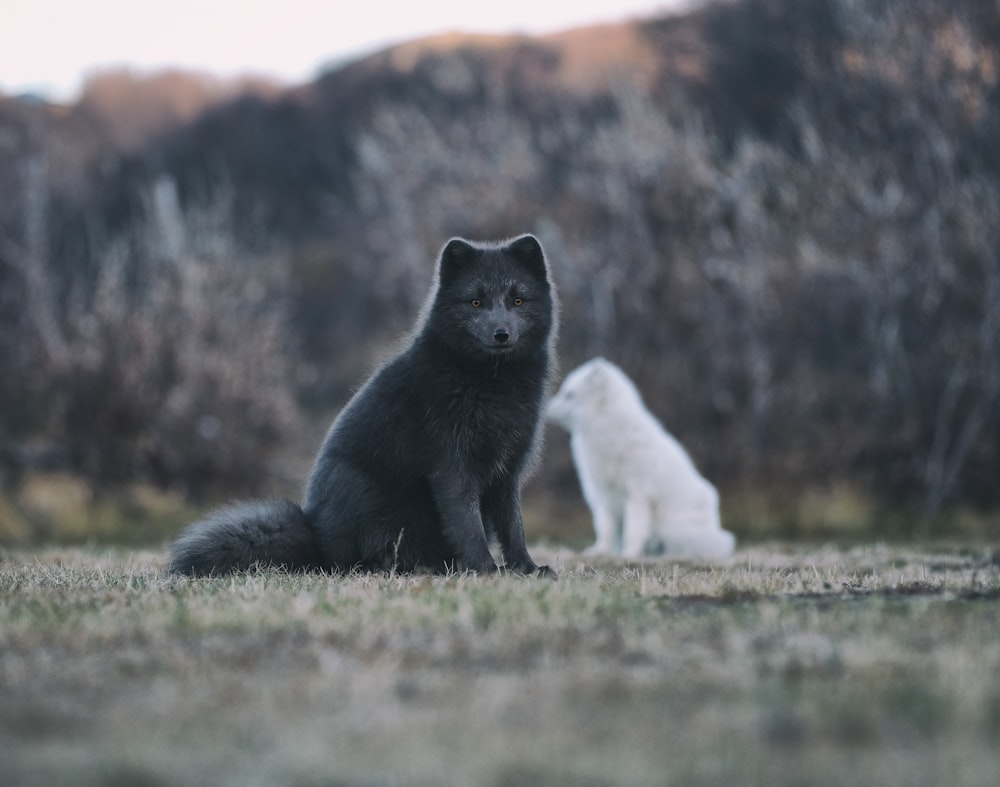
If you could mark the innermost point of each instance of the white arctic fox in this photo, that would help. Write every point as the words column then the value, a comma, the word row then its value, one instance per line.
column 642, row 488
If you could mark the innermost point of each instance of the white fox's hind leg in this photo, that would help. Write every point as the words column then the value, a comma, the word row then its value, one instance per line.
column 698, row 542
column 637, row 527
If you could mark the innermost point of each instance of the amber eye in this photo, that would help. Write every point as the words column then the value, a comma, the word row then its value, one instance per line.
column 476, row 303
column 519, row 301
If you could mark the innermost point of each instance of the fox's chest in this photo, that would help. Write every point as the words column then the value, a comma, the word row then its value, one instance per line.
column 491, row 433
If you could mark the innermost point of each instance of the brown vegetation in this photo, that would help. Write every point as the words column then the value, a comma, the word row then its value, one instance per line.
column 131, row 108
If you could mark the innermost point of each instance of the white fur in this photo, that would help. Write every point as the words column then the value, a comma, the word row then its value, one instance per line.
column 643, row 490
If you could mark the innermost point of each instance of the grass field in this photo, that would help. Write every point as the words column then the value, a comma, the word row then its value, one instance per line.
column 787, row 665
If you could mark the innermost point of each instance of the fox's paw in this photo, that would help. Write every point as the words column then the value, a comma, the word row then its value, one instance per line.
column 485, row 569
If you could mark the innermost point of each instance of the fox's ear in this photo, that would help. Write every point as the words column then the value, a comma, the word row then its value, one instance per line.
column 455, row 255
column 528, row 252
column 597, row 373
column 457, row 250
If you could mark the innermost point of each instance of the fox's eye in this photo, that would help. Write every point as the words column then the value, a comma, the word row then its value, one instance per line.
column 519, row 301
column 475, row 303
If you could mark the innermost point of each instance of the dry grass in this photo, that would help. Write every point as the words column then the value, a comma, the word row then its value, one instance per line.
column 785, row 666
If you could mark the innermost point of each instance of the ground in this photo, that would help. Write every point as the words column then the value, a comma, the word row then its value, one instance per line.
column 785, row 665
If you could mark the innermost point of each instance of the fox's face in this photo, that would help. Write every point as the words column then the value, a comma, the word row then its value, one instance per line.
column 493, row 300
column 495, row 316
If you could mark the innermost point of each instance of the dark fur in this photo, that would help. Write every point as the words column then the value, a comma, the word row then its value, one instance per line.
column 423, row 467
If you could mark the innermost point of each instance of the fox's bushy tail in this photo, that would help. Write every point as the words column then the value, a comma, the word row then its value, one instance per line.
column 243, row 535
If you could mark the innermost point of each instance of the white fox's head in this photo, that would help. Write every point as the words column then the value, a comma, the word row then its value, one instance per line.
column 584, row 394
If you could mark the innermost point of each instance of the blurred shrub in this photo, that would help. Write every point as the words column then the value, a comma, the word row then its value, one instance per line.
column 779, row 217
column 172, row 361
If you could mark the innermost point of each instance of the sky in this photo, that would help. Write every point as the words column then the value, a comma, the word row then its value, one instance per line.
column 48, row 47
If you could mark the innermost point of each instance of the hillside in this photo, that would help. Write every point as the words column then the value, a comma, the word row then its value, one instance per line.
column 778, row 216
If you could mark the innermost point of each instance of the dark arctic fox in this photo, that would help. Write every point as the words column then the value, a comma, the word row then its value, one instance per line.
column 423, row 467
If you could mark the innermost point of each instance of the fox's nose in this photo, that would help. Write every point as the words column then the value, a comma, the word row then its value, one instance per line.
column 501, row 336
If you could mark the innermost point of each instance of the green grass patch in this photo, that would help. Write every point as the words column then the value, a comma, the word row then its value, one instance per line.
column 783, row 665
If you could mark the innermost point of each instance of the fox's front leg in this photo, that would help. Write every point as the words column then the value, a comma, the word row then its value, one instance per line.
column 637, row 525
column 457, row 501
column 606, row 521
column 502, row 509
column 605, row 530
